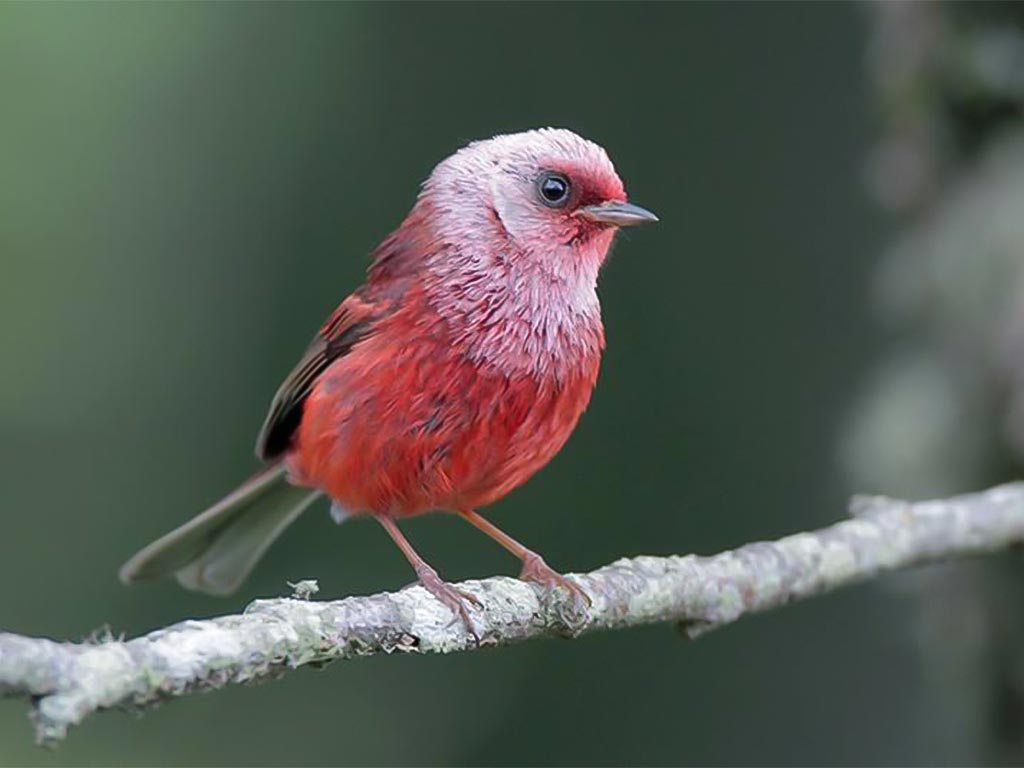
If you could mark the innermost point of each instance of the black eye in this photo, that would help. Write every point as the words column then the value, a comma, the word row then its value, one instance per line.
column 554, row 189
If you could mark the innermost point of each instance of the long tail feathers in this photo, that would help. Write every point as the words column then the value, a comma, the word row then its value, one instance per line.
column 214, row 551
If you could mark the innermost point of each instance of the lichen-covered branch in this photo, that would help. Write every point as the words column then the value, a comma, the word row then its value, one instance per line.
column 68, row 681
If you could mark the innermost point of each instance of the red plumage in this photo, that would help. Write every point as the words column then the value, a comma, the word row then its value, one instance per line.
column 405, row 423
column 456, row 372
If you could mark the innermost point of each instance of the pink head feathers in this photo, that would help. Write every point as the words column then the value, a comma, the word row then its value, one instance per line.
column 514, row 230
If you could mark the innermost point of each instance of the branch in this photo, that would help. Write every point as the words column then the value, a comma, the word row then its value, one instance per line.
column 68, row 681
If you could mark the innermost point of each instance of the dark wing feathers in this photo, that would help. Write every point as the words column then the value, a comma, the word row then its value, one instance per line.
column 352, row 321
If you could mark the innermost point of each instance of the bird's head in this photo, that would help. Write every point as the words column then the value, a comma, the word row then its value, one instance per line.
column 507, row 238
column 549, row 191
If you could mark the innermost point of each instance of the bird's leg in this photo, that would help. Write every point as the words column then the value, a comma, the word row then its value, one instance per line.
column 534, row 567
column 454, row 598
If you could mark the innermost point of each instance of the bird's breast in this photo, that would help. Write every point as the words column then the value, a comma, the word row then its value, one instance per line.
column 411, row 421
column 518, row 311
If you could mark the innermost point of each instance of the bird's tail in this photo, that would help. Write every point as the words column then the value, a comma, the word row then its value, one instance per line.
column 214, row 551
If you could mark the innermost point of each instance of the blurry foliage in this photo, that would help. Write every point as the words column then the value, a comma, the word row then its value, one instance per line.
column 944, row 411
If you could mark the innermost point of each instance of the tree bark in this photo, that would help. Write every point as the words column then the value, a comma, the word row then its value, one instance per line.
column 68, row 681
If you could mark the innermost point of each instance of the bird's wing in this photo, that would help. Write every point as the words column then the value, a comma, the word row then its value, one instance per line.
column 350, row 323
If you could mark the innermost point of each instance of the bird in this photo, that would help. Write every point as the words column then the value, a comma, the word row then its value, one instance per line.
column 451, row 376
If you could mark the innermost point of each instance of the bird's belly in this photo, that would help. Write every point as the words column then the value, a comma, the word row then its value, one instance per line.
column 399, row 436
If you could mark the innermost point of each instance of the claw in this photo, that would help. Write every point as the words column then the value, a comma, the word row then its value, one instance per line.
column 534, row 567
column 539, row 572
column 454, row 599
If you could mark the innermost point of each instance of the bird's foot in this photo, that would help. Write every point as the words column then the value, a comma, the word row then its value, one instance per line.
column 539, row 572
column 455, row 599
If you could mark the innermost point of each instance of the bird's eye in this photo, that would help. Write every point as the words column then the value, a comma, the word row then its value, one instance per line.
column 554, row 189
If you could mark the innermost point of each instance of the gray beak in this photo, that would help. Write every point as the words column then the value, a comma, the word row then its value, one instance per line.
column 617, row 214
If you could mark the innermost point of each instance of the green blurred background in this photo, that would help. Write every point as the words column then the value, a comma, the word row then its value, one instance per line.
column 188, row 189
